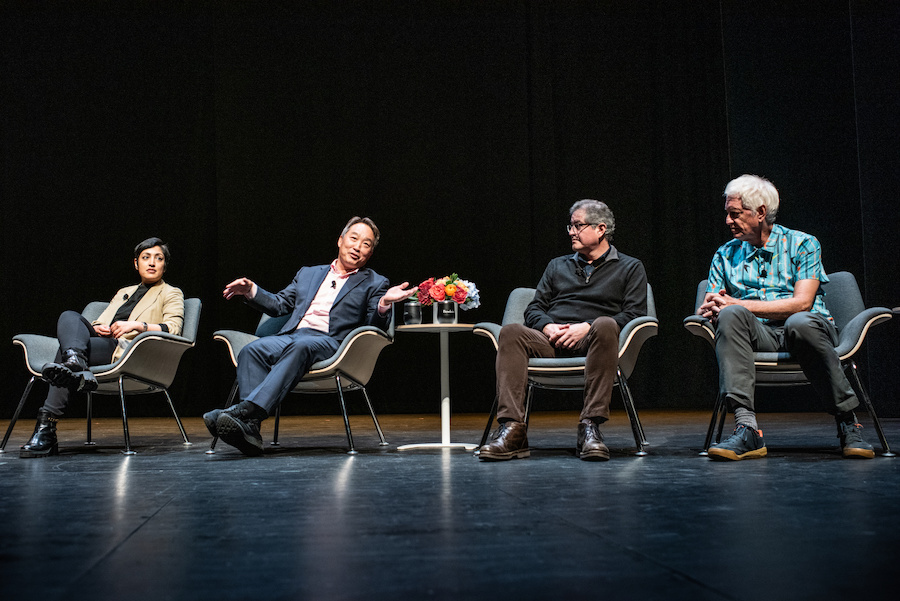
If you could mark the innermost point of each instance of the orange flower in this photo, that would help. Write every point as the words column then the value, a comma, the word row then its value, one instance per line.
column 450, row 289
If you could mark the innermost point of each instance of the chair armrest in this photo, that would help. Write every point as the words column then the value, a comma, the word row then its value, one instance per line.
column 628, row 333
column 362, row 332
column 632, row 337
column 235, row 341
column 852, row 335
column 488, row 330
column 151, row 357
column 702, row 327
column 38, row 350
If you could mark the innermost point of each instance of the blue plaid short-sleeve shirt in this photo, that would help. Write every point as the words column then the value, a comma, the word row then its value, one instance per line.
column 769, row 273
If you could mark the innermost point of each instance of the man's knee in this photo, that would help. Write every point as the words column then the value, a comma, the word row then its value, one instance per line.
column 806, row 328
column 511, row 333
column 605, row 330
column 257, row 349
column 733, row 317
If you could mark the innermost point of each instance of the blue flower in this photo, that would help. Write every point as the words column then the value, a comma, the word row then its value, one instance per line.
column 473, row 298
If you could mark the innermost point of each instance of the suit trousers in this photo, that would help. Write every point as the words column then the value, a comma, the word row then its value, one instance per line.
column 268, row 368
column 74, row 332
column 518, row 343
column 808, row 337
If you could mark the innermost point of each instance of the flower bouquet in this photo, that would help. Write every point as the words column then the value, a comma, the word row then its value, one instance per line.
column 451, row 288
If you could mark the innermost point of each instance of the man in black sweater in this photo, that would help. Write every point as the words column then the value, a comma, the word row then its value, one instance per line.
column 581, row 304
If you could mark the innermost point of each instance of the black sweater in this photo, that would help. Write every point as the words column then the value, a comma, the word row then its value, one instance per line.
column 617, row 288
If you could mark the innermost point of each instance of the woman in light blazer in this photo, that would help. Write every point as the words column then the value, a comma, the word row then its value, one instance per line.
column 151, row 305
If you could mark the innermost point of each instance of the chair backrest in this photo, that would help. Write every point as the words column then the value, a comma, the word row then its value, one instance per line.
column 94, row 310
column 842, row 297
column 192, row 308
column 269, row 326
column 701, row 294
column 520, row 297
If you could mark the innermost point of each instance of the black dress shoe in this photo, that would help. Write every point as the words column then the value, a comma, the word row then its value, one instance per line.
column 590, row 445
column 43, row 442
column 238, row 426
column 510, row 441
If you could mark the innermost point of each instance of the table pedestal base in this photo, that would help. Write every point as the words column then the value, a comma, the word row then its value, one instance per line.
column 439, row 445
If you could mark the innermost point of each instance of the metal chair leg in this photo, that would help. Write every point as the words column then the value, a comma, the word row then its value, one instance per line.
column 861, row 391
column 228, row 403
column 383, row 442
column 636, row 429
column 718, row 407
column 337, row 379
column 274, row 442
column 490, row 422
column 128, row 449
column 15, row 417
column 177, row 419
column 89, row 440
column 529, row 397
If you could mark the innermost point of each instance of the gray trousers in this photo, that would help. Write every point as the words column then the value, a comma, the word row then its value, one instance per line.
column 808, row 337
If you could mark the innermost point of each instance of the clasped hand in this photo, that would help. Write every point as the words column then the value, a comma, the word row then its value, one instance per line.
column 566, row 335
column 118, row 329
column 714, row 302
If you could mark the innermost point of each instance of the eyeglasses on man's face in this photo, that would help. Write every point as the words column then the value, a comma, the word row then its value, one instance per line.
column 576, row 228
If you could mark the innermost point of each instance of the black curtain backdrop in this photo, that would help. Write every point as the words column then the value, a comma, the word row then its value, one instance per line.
column 246, row 134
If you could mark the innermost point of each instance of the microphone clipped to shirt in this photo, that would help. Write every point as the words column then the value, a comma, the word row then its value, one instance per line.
column 333, row 284
column 125, row 297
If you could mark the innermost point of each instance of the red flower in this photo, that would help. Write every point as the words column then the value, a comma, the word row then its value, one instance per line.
column 424, row 287
column 460, row 296
column 437, row 292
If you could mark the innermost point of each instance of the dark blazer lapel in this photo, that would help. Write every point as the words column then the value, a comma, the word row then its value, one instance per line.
column 352, row 282
column 315, row 280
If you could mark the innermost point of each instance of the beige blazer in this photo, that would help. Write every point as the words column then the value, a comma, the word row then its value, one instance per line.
column 163, row 304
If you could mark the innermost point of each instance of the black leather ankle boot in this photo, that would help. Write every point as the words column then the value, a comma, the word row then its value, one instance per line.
column 43, row 441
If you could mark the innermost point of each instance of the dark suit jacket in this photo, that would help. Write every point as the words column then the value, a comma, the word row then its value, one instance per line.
column 355, row 305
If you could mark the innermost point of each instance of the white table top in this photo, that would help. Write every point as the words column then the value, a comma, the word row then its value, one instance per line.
column 436, row 327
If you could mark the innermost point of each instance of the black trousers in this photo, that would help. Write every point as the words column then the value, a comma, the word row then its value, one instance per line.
column 76, row 333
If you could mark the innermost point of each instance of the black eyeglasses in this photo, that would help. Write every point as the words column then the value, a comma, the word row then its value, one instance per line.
column 578, row 227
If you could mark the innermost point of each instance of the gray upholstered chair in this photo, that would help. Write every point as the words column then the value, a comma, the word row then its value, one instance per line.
column 148, row 365
column 853, row 320
column 568, row 373
column 350, row 368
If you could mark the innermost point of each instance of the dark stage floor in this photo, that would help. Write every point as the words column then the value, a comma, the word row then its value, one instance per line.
column 307, row 521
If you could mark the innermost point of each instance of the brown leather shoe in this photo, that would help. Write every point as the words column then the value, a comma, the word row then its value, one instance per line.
column 510, row 441
column 590, row 443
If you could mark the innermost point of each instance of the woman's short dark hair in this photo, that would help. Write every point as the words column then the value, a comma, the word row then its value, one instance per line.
column 150, row 243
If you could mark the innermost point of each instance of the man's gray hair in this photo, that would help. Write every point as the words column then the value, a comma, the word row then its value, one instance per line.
column 596, row 212
column 354, row 220
column 754, row 191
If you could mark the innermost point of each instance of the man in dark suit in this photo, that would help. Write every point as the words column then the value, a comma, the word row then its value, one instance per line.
column 325, row 302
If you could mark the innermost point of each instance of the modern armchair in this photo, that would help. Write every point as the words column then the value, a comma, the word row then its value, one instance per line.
column 852, row 319
column 148, row 365
column 350, row 368
column 568, row 373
